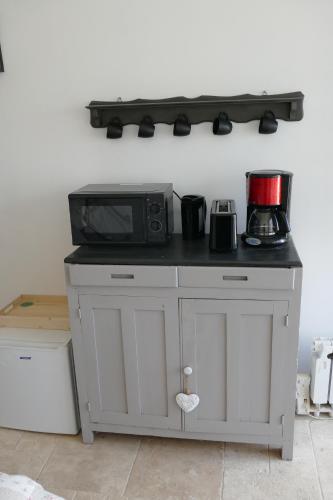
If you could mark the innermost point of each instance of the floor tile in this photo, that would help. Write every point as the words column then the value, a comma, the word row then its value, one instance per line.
column 102, row 467
column 322, row 431
column 266, row 487
column 41, row 445
column 322, row 437
column 86, row 495
column 246, row 458
column 20, row 462
column 299, row 476
column 285, row 480
column 68, row 438
column 303, row 450
column 9, row 438
column 61, row 492
column 176, row 469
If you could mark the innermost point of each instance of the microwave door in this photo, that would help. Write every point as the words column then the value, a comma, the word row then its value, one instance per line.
column 113, row 221
column 107, row 221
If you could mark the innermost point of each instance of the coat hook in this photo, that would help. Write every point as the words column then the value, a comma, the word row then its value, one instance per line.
column 115, row 129
column 222, row 125
column 182, row 126
column 268, row 124
column 2, row 69
column 146, row 128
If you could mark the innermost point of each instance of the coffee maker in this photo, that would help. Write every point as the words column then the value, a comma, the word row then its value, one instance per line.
column 268, row 207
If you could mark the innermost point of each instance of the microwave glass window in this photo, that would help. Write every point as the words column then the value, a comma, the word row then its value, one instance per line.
column 108, row 219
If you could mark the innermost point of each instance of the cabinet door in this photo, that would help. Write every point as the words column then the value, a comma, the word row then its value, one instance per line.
column 132, row 359
column 236, row 349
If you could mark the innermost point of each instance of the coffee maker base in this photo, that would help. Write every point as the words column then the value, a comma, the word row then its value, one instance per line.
column 264, row 241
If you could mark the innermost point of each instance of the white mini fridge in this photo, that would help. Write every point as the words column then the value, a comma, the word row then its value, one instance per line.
column 37, row 389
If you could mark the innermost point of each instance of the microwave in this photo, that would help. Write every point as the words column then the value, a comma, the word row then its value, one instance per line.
column 122, row 214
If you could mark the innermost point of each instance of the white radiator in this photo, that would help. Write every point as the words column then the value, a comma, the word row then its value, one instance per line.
column 321, row 374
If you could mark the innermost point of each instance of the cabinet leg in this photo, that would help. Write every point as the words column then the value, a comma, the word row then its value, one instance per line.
column 87, row 435
column 287, row 450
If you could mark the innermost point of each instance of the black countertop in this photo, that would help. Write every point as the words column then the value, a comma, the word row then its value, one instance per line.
column 187, row 253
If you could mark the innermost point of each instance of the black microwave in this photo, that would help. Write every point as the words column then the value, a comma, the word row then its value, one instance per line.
column 122, row 214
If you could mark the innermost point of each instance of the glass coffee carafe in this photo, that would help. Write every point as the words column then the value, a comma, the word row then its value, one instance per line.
column 263, row 222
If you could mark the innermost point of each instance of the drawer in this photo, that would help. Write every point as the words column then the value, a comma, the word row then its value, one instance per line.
column 154, row 276
column 237, row 277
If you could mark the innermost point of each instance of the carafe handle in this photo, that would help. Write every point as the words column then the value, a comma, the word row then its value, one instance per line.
column 284, row 226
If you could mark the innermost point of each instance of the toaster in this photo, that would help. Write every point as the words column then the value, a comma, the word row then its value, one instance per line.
column 223, row 226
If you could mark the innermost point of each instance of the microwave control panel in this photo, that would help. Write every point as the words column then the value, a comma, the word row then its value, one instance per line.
column 157, row 224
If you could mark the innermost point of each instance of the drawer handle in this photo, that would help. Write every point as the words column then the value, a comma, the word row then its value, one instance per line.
column 122, row 276
column 235, row 278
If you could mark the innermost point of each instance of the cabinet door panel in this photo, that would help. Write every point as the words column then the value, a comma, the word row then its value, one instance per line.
column 211, row 365
column 150, row 336
column 236, row 349
column 255, row 358
column 132, row 360
column 110, row 351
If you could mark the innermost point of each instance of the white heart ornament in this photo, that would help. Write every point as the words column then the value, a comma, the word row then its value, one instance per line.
column 187, row 402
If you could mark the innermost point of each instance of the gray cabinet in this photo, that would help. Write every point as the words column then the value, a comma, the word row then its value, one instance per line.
column 132, row 359
column 236, row 349
column 135, row 329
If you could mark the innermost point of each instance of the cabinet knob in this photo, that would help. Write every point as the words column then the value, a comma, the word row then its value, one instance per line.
column 188, row 370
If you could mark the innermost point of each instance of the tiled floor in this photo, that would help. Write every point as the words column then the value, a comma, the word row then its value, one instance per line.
column 130, row 468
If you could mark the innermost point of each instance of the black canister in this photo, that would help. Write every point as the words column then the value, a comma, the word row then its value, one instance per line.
column 194, row 209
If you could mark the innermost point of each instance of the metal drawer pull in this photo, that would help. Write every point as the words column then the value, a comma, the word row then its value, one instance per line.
column 123, row 276
column 235, row 278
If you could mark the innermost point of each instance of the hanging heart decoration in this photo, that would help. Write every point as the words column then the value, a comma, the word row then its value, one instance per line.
column 187, row 402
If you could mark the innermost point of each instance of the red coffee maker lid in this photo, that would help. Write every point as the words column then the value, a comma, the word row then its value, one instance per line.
column 264, row 187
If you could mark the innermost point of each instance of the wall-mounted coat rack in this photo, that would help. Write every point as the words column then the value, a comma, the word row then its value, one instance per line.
column 2, row 69
column 182, row 112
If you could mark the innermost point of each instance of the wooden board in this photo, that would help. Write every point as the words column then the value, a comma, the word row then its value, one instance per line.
column 36, row 311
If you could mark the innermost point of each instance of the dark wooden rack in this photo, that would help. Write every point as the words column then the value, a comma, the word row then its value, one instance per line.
column 2, row 69
column 239, row 109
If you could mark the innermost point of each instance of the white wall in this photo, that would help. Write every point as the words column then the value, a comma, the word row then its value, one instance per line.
column 61, row 54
